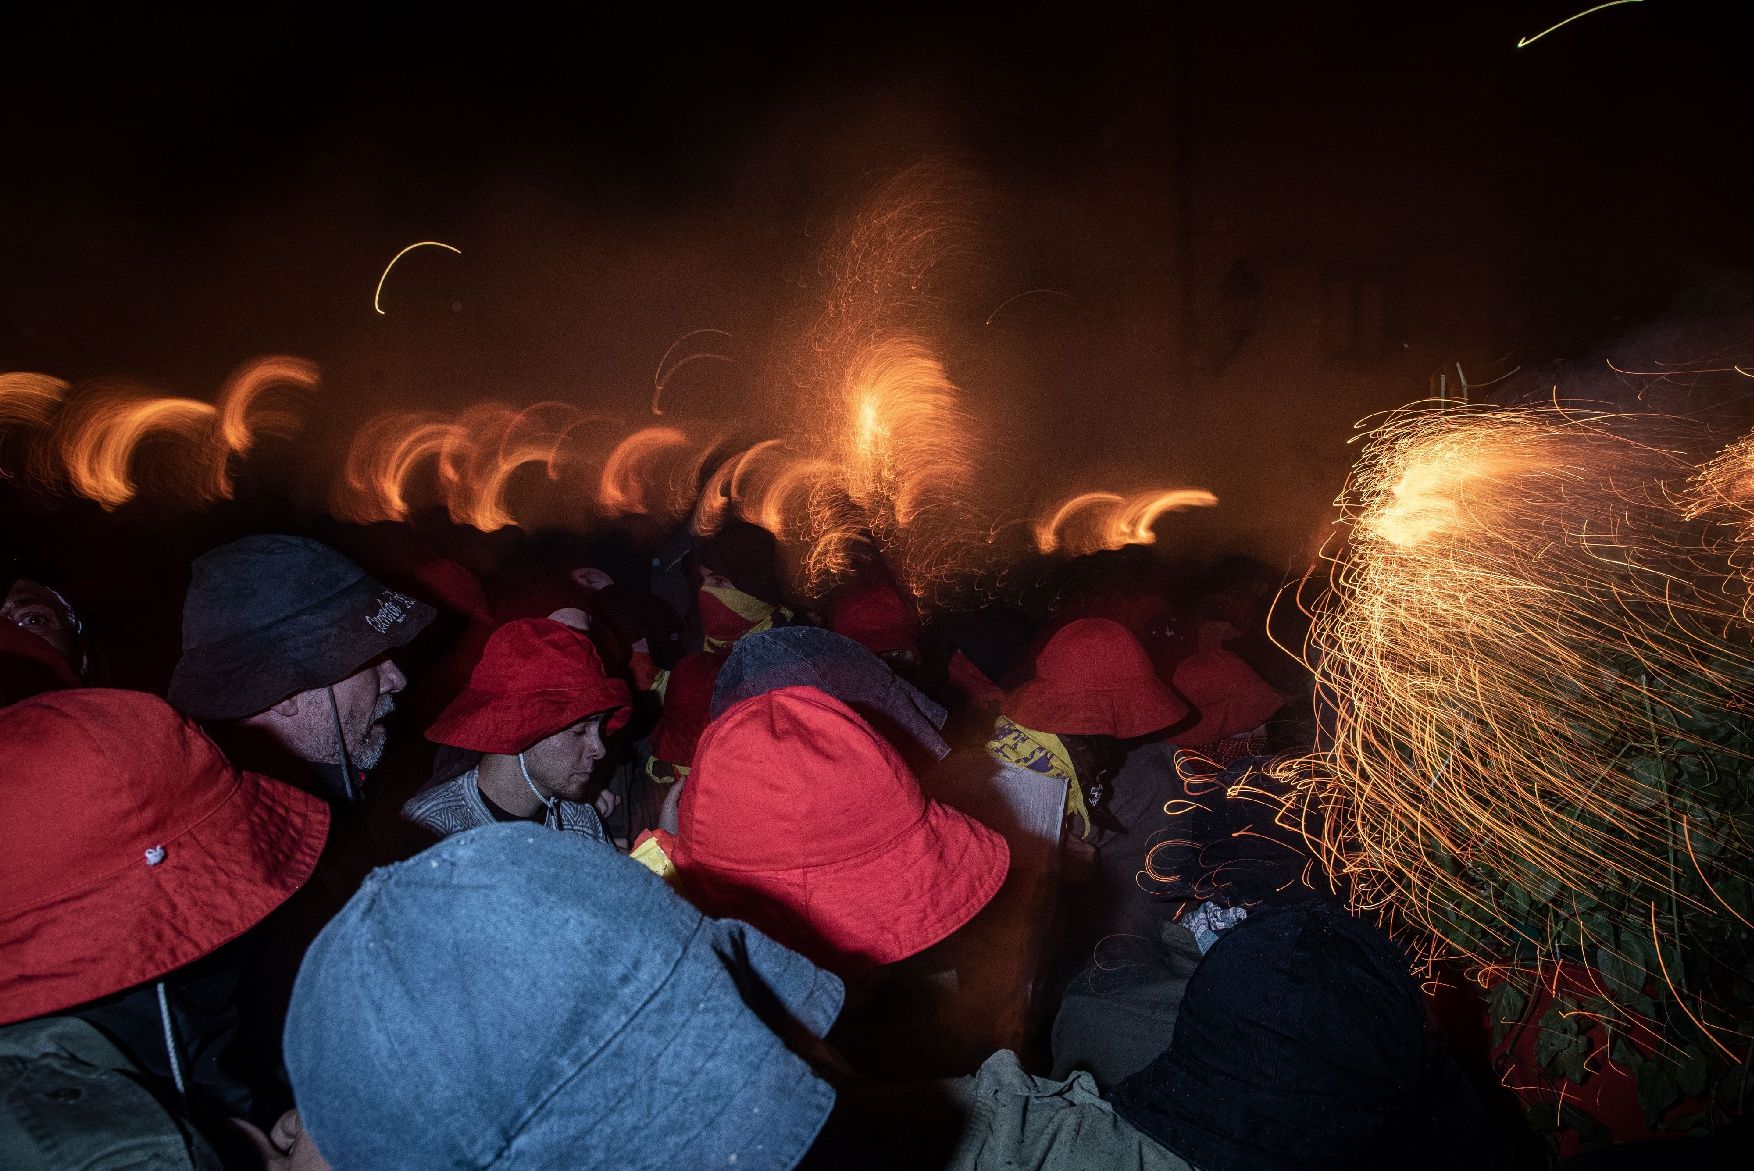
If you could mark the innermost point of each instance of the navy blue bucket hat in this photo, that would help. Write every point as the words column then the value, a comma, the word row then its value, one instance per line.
column 269, row 616
column 518, row 998
column 1302, row 1045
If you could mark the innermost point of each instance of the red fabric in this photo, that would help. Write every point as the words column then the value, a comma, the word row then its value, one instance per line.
column 641, row 666
column 535, row 677
column 1146, row 615
column 455, row 588
column 94, row 785
column 1609, row 1094
column 30, row 666
column 800, row 819
column 1231, row 697
column 878, row 618
column 688, row 698
column 1094, row 679
column 972, row 683
column 721, row 624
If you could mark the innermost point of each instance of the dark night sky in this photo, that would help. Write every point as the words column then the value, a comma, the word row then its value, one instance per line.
column 182, row 192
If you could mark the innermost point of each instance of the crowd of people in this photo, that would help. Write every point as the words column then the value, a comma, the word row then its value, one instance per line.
column 552, row 863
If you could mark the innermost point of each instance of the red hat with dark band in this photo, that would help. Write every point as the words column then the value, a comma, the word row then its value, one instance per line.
column 536, row 676
column 1094, row 679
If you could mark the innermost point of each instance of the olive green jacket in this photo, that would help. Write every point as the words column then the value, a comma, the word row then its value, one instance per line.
column 69, row 1099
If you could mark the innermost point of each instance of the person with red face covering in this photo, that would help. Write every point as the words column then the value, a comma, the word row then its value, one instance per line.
column 739, row 587
column 688, row 695
column 533, row 720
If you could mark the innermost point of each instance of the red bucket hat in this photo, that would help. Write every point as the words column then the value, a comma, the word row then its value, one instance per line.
column 535, row 677
column 1232, row 698
column 877, row 618
column 139, row 848
column 800, row 819
column 688, row 698
column 1094, row 679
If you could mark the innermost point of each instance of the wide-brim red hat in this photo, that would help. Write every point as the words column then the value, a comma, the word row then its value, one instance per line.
column 536, row 676
column 1232, row 698
column 139, row 848
column 1094, row 679
column 801, row 820
column 878, row 618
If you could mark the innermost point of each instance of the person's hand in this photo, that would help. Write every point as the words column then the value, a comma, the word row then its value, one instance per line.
column 670, row 816
column 286, row 1147
column 606, row 803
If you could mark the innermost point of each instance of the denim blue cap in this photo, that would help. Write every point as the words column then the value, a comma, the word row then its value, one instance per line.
column 518, row 998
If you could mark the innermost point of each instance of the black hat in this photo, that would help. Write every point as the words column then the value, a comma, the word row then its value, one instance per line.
column 1302, row 1044
column 269, row 616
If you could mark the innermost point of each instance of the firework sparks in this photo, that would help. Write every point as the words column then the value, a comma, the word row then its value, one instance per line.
column 1529, row 638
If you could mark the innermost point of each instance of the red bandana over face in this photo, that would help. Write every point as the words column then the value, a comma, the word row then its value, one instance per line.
column 727, row 614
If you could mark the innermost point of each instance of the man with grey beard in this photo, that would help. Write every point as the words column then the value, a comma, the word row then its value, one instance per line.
column 286, row 647
column 286, row 663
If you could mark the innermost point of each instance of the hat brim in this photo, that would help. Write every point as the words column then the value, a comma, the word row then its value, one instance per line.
column 487, row 721
column 741, row 1052
column 322, row 644
column 927, row 884
column 215, row 880
column 1124, row 713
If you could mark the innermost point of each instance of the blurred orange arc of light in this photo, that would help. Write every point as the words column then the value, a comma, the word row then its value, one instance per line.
column 1047, row 532
column 98, row 453
column 29, row 398
column 1143, row 512
column 620, row 488
column 245, row 388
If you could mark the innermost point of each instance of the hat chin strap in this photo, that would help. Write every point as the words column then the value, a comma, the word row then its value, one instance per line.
column 552, row 817
column 349, row 790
